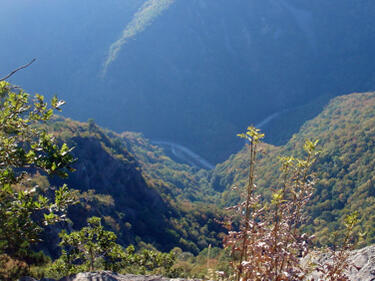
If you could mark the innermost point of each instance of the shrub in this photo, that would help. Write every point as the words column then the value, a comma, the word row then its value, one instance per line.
column 268, row 243
column 93, row 248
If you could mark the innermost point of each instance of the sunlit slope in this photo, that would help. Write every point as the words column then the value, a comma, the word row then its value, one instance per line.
column 148, row 12
column 345, row 166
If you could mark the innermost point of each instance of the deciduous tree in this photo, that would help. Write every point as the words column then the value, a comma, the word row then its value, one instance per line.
column 25, row 147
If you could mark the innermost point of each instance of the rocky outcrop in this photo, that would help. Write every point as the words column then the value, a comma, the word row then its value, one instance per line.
column 109, row 276
column 364, row 260
column 362, row 264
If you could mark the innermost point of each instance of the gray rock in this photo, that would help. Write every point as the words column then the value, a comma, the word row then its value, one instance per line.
column 110, row 276
column 362, row 261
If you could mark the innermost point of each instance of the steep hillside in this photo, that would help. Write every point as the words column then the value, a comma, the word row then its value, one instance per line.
column 138, row 206
column 169, row 177
column 143, row 195
column 345, row 166
column 151, row 180
column 193, row 72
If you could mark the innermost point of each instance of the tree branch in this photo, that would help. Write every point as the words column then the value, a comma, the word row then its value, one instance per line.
column 19, row 68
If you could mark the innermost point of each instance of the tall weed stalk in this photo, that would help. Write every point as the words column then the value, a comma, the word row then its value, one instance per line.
column 268, row 244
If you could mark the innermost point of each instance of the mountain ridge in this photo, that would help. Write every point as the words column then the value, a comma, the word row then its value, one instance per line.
column 214, row 66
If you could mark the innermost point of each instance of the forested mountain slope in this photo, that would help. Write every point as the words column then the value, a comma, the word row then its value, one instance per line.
column 194, row 72
column 144, row 196
column 139, row 177
column 344, row 169
column 138, row 206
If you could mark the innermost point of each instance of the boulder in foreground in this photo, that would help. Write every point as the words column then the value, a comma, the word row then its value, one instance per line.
column 109, row 276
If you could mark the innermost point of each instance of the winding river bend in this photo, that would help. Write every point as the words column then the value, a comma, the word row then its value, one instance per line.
column 186, row 155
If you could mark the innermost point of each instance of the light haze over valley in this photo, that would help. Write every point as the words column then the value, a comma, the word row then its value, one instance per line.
column 192, row 72
column 154, row 161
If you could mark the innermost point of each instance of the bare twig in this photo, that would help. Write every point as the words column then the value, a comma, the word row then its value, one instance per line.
column 19, row 68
